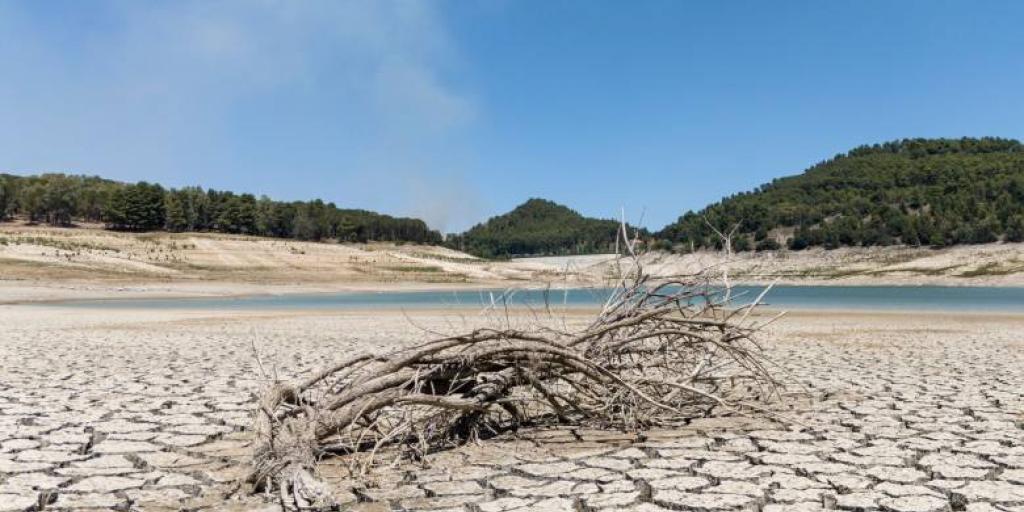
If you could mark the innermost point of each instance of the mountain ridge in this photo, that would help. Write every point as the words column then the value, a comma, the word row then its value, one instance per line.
column 917, row 192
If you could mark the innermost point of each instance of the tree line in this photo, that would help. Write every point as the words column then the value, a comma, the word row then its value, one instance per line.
column 61, row 200
column 917, row 192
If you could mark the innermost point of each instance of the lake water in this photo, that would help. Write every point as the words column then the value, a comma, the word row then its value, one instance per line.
column 942, row 298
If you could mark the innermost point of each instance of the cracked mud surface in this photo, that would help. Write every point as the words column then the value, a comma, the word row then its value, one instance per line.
column 148, row 411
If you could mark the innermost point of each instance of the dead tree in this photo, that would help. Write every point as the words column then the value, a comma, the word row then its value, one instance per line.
column 657, row 354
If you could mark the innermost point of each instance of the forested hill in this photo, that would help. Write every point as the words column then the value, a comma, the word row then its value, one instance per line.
column 61, row 200
column 933, row 192
column 537, row 227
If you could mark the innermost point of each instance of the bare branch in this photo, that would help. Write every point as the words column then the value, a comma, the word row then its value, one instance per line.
column 656, row 353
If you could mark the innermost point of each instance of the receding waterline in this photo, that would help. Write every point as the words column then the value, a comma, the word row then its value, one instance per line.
column 896, row 298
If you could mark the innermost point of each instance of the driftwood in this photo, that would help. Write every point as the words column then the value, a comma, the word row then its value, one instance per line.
column 657, row 354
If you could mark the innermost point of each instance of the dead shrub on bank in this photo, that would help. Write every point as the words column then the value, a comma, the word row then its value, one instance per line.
column 658, row 353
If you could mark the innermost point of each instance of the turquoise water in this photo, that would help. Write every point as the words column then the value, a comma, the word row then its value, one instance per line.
column 940, row 298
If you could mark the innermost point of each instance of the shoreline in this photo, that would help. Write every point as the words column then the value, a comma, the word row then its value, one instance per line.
column 948, row 282
column 46, row 264
column 51, row 292
column 797, row 313
column 43, row 292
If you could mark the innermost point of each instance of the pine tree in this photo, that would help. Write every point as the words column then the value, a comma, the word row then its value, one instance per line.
column 30, row 202
column 1015, row 228
column 177, row 217
column 6, row 197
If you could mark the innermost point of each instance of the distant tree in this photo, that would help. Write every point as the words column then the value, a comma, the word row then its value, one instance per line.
column 31, row 201
column 832, row 239
column 1015, row 228
column 176, row 210
column 986, row 231
column 768, row 244
column 304, row 226
column 237, row 214
column 800, row 240
column 875, row 236
column 909, row 233
column 661, row 245
column 90, row 199
column 7, row 197
column 741, row 244
column 936, row 237
column 265, row 212
column 138, row 207
column 58, row 200
column 348, row 229
column 197, row 207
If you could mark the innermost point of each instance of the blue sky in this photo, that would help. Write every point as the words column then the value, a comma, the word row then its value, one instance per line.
column 455, row 111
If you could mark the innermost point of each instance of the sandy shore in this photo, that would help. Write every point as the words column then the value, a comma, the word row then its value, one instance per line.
column 56, row 291
column 965, row 265
column 42, row 263
column 101, row 409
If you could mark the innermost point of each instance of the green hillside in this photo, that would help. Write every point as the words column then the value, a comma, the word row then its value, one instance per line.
column 538, row 227
column 921, row 192
column 62, row 200
column 934, row 192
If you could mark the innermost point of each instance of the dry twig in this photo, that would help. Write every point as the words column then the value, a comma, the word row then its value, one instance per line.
column 657, row 354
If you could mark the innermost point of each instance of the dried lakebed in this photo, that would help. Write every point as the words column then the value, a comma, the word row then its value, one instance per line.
column 148, row 410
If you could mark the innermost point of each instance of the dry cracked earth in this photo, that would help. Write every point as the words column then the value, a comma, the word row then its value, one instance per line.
column 146, row 411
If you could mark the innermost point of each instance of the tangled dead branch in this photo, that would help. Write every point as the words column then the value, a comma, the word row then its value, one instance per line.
column 657, row 354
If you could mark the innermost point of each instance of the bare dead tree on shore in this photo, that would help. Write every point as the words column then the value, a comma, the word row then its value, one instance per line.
column 657, row 354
